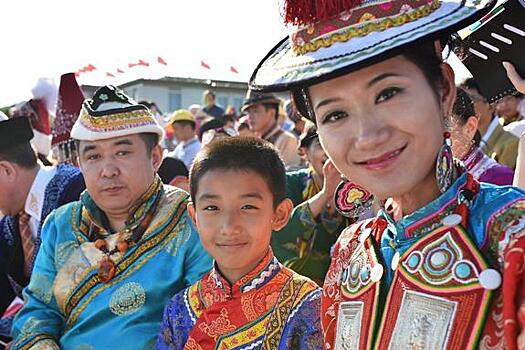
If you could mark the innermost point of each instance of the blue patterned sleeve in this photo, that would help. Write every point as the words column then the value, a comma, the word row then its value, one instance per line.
column 176, row 325
column 197, row 261
column 303, row 329
column 40, row 321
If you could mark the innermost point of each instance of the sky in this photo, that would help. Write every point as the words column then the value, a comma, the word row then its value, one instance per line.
column 49, row 38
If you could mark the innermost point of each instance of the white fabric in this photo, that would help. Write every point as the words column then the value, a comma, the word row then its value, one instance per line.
column 80, row 132
column 41, row 142
column 492, row 126
column 516, row 128
column 3, row 117
column 35, row 197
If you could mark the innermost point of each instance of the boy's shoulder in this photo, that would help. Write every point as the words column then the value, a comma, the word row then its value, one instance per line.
column 302, row 286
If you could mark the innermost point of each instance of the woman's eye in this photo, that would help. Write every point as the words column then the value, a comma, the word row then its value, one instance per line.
column 334, row 116
column 387, row 94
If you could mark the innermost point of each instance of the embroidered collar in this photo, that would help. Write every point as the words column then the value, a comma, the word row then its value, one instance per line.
column 473, row 156
column 93, row 215
column 427, row 218
column 255, row 279
column 35, row 197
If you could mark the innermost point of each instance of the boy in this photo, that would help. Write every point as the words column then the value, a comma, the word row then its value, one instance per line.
column 248, row 299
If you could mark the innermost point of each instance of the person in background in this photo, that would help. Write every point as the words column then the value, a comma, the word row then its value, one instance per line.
column 304, row 243
column 507, row 108
column 243, row 127
column 210, row 108
column 29, row 191
column 465, row 144
column 173, row 172
column 263, row 111
column 495, row 142
column 299, row 121
column 248, row 300
column 188, row 144
column 110, row 261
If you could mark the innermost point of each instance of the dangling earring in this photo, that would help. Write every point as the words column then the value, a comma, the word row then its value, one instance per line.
column 445, row 164
column 352, row 200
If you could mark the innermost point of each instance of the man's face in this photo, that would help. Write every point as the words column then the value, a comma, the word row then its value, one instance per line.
column 260, row 118
column 507, row 107
column 118, row 171
column 8, row 206
column 182, row 131
column 209, row 100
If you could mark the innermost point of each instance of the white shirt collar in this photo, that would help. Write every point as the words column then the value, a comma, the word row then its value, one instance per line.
column 35, row 197
column 492, row 126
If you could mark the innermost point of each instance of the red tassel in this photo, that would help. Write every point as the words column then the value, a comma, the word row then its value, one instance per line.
column 304, row 12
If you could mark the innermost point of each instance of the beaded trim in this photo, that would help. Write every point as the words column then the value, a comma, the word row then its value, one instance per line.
column 116, row 121
column 338, row 30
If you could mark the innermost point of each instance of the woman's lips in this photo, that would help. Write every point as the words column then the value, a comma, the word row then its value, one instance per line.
column 383, row 161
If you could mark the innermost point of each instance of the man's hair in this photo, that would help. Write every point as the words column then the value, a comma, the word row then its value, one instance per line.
column 209, row 92
column 471, row 84
column 185, row 122
column 23, row 155
column 241, row 154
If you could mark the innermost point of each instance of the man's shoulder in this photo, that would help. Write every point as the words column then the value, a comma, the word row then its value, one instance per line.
column 174, row 202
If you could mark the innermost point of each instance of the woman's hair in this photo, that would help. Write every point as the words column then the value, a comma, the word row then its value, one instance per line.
column 463, row 107
column 423, row 55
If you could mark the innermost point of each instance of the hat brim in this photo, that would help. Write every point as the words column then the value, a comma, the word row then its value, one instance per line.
column 248, row 104
column 283, row 70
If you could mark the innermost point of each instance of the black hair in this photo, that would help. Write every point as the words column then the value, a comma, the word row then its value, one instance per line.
column 423, row 55
column 150, row 139
column 186, row 122
column 463, row 107
column 22, row 154
column 241, row 154
column 471, row 84
column 171, row 168
column 210, row 124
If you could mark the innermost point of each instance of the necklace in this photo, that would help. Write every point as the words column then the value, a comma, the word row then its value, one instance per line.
column 107, row 268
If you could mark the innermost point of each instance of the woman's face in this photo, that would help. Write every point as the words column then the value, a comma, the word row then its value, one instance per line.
column 316, row 156
column 382, row 125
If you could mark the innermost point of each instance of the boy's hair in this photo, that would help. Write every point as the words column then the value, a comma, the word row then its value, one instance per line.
column 242, row 154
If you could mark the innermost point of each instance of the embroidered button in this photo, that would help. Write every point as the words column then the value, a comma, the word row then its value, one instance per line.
column 364, row 235
column 376, row 273
column 451, row 220
column 395, row 261
column 490, row 279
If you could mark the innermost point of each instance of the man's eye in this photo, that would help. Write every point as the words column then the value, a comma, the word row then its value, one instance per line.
column 123, row 153
column 387, row 94
column 210, row 208
column 92, row 157
column 334, row 116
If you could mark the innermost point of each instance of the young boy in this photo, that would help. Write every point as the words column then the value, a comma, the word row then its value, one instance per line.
column 248, row 300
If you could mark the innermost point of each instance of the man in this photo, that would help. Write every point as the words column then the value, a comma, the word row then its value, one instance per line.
column 509, row 109
column 110, row 261
column 183, row 125
column 495, row 141
column 29, row 191
column 263, row 110
column 210, row 108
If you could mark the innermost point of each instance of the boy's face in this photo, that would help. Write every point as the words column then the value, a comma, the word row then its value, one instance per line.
column 234, row 215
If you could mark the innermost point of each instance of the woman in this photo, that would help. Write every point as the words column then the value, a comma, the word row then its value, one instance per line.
column 304, row 243
column 449, row 273
column 463, row 129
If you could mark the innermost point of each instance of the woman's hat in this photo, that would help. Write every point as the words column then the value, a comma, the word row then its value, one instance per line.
column 333, row 38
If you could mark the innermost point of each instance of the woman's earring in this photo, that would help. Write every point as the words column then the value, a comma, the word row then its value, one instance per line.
column 352, row 200
column 445, row 164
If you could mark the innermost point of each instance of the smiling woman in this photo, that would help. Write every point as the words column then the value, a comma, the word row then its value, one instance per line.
column 370, row 75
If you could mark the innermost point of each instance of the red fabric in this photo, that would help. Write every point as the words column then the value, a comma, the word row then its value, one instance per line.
column 108, row 74
column 205, row 65
column 70, row 98
column 161, row 61
column 233, row 70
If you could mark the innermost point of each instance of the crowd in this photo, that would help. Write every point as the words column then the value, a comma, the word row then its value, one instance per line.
column 373, row 209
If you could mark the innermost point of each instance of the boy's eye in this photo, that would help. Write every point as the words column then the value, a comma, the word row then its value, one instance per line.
column 387, row 94
column 334, row 116
column 249, row 206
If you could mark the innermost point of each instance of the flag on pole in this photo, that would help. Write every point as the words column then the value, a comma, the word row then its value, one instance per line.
column 161, row 61
column 205, row 65
column 233, row 70
column 120, row 71
column 108, row 74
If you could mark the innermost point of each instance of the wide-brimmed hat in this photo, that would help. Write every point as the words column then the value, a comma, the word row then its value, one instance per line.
column 256, row 97
column 336, row 37
column 111, row 113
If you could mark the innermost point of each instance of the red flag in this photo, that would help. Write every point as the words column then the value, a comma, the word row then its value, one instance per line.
column 205, row 65
column 131, row 65
column 90, row 67
column 143, row 63
column 108, row 74
column 77, row 74
column 120, row 71
column 161, row 61
column 233, row 70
